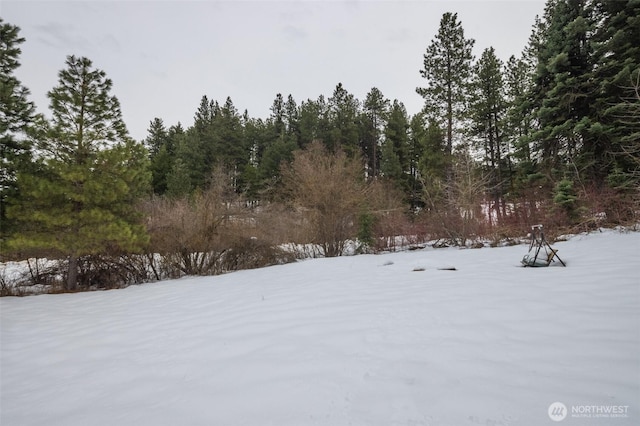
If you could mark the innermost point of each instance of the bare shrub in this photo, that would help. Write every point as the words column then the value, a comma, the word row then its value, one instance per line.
column 329, row 189
column 288, row 227
column 31, row 276
column 609, row 206
column 209, row 233
column 113, row 271
column 392, row 226
column 394, row 230
column 249, row 253
column 454, row 208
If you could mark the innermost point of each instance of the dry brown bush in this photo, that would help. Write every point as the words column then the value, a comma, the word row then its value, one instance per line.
column 397, row 230
column 332, row 204
column 606, row 206
column 209, row 233
column 454, row 208
column 329, row 190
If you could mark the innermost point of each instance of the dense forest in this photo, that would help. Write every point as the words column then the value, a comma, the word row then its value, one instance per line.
column 551, row 136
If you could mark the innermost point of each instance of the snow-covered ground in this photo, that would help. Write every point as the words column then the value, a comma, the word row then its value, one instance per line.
column 361, row 340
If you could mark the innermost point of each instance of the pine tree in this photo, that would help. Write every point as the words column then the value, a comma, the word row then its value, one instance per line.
column 617, row 108
column 157, row 136
column 564, row 197
column 343, row 115
column 564, row 88
column 292, row 117
column 434, row 160
column 278, row 115
column 519, row 123
column 434, row 164
column 161, row 156
column 204, row 115
column 416, row 148
column 255, row 136
column 191, row 151
column 277, row 153
column 376, row 108
column 17, row 115
column 178, row 180
column 390, row 165
column 487, row 110
column 283, row 122
column 528, row 81
column 160, row 166
column 232, row 148
column 313, row 121
column 201, row 148
column 395, row 155
column 90, row 173
column 447, row 69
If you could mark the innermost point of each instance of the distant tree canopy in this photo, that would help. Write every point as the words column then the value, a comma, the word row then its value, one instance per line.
column 532, row 120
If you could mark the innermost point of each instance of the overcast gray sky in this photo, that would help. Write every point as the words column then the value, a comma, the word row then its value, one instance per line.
column 163, row 56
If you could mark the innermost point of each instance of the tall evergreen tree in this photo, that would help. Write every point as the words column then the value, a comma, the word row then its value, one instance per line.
column 192, row 152
column 279, row 144
column 17, row 114
column 416, row 149
column 81, row 200
column 395, row 155
column 376, row 108
column 435, row 165
column 390, row 165
column 433, row 162
column 616, row 126
column 277, row 153
column 204, row 115
column 520, row 121
column 278, row 115
column 488, row 105
column 200, row 147
column 487, row 110
column 291, row 120
column 255, row 137
column 343, row 116
column 161, row 155
column 528, row 80
column 157, row 136
column 565, row 89
column 518, row 127
column 284, row 120
column 233, row 151
column 313, row 121
column 178, row 180
column 447, row 69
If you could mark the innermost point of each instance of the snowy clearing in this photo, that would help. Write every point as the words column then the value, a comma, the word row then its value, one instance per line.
column 361, row 340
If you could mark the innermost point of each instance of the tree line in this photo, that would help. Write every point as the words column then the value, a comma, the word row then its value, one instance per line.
column 559, row 119
column 552, row 135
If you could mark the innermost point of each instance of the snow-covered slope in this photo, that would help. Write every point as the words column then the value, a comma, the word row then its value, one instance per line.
column 362, row 340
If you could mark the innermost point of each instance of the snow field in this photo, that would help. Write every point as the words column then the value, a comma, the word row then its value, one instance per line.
column 361, row 340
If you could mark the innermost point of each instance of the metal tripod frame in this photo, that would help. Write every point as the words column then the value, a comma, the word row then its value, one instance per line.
column 539, row 242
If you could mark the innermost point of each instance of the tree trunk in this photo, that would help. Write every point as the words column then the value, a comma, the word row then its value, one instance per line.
column 72, row 273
